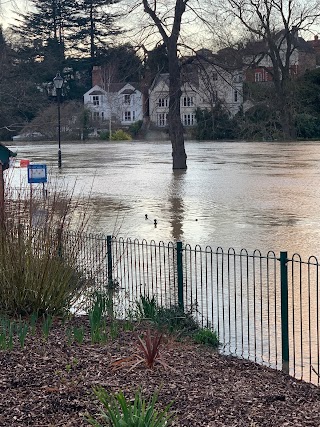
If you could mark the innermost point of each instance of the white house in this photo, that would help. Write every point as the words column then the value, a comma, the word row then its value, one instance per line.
column 203, row 86
column 121, row 102
column 159, row 102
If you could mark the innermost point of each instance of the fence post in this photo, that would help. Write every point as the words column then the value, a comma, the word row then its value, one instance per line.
column 109, row 252
column 284, row 311
column 180, row 275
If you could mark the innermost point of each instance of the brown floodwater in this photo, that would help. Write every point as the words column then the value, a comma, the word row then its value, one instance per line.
column 253, row 195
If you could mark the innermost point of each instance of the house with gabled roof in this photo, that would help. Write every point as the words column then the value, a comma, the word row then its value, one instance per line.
column 205, row 83
column 259, row 67
column 119, row 102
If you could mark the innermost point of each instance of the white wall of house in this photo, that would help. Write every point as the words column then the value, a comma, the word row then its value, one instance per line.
column 217, row 84
column 124, row 105
column 129, row 105
column 213, row 84
column 159, row 102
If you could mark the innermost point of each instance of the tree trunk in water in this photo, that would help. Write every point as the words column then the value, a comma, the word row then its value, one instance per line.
column 179, row 156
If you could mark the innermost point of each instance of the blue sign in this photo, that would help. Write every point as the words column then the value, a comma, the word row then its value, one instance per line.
column 37, row 174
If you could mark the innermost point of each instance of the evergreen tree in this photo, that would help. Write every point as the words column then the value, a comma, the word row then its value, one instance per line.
column 92, row 26
column 43, row 29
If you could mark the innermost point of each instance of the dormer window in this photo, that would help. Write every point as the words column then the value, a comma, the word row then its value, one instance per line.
column 163, row 102
column 127, row 99
column 95, row 100
column 187, row 101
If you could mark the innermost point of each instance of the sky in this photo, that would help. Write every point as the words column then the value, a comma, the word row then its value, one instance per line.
column 8, row 9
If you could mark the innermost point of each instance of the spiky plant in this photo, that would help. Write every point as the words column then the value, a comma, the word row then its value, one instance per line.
column 119, row 412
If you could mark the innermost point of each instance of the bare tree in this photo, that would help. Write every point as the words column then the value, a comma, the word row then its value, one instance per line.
column 275, row 24
column 170, row 38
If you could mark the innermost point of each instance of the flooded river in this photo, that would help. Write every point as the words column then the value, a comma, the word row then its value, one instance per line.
column 262, row 195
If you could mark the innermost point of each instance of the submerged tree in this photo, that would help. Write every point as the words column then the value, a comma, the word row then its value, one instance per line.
column 170, row 37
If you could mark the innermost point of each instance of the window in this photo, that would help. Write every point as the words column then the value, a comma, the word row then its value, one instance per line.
column 258, row 77
column 188, row 119
column 133, row 115
column 127, row 99
column 162, row 119
column 127, row 116
column 187, row 101
column 163, row 102
column 95, row 115
column 235, row 96
column 214, row 76
column 102, row 115
column 95, row 100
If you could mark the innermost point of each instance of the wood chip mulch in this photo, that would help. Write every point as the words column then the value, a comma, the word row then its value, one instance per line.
column 50, row 384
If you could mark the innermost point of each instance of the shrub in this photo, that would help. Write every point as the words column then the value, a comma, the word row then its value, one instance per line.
column 39, row 272
column 207, row 337
column 104, row 135
column 120, row 135
column 134, row 129
column 308, row 126
column 119, row 412
column 173, row 319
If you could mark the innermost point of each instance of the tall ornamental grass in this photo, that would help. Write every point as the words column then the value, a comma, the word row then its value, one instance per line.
column 38, row 271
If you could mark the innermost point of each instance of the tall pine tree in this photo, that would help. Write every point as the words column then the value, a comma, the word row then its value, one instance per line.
column 93, row 26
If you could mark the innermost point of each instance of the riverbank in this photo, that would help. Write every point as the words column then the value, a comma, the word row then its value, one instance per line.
column 49, row 383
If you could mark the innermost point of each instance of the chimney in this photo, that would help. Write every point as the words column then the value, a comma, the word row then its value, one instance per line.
column 96, row 76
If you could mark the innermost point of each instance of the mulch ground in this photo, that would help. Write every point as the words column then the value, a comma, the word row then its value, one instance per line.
column 50, row 384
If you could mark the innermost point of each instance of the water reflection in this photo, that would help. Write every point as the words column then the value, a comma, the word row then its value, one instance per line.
column 176, row 204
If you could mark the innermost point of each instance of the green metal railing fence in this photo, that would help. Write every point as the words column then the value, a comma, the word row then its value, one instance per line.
column 264, row 307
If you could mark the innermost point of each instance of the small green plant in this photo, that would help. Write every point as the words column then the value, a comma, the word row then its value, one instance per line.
column 22, row 331
column 97, row 318
column 78, row 334
column 69, row 333
column 119, row 412
column 33, row 322
column 147, row 308
column 46, row 325
column 114, row 330
column 7, row 328
column 207, row 337
column 128, row 325
column 71, row 365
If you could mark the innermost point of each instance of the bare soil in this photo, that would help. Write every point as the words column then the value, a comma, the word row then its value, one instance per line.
column 50, row 384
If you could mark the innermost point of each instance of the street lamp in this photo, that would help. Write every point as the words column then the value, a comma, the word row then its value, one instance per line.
column 58, row 82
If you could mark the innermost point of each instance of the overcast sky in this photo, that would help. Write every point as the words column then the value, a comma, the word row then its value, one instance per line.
column 8, row 9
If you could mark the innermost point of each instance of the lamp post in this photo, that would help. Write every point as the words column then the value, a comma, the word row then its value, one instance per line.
column 58, row 82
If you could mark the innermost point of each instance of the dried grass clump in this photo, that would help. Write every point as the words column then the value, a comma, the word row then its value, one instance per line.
column 39, row 271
